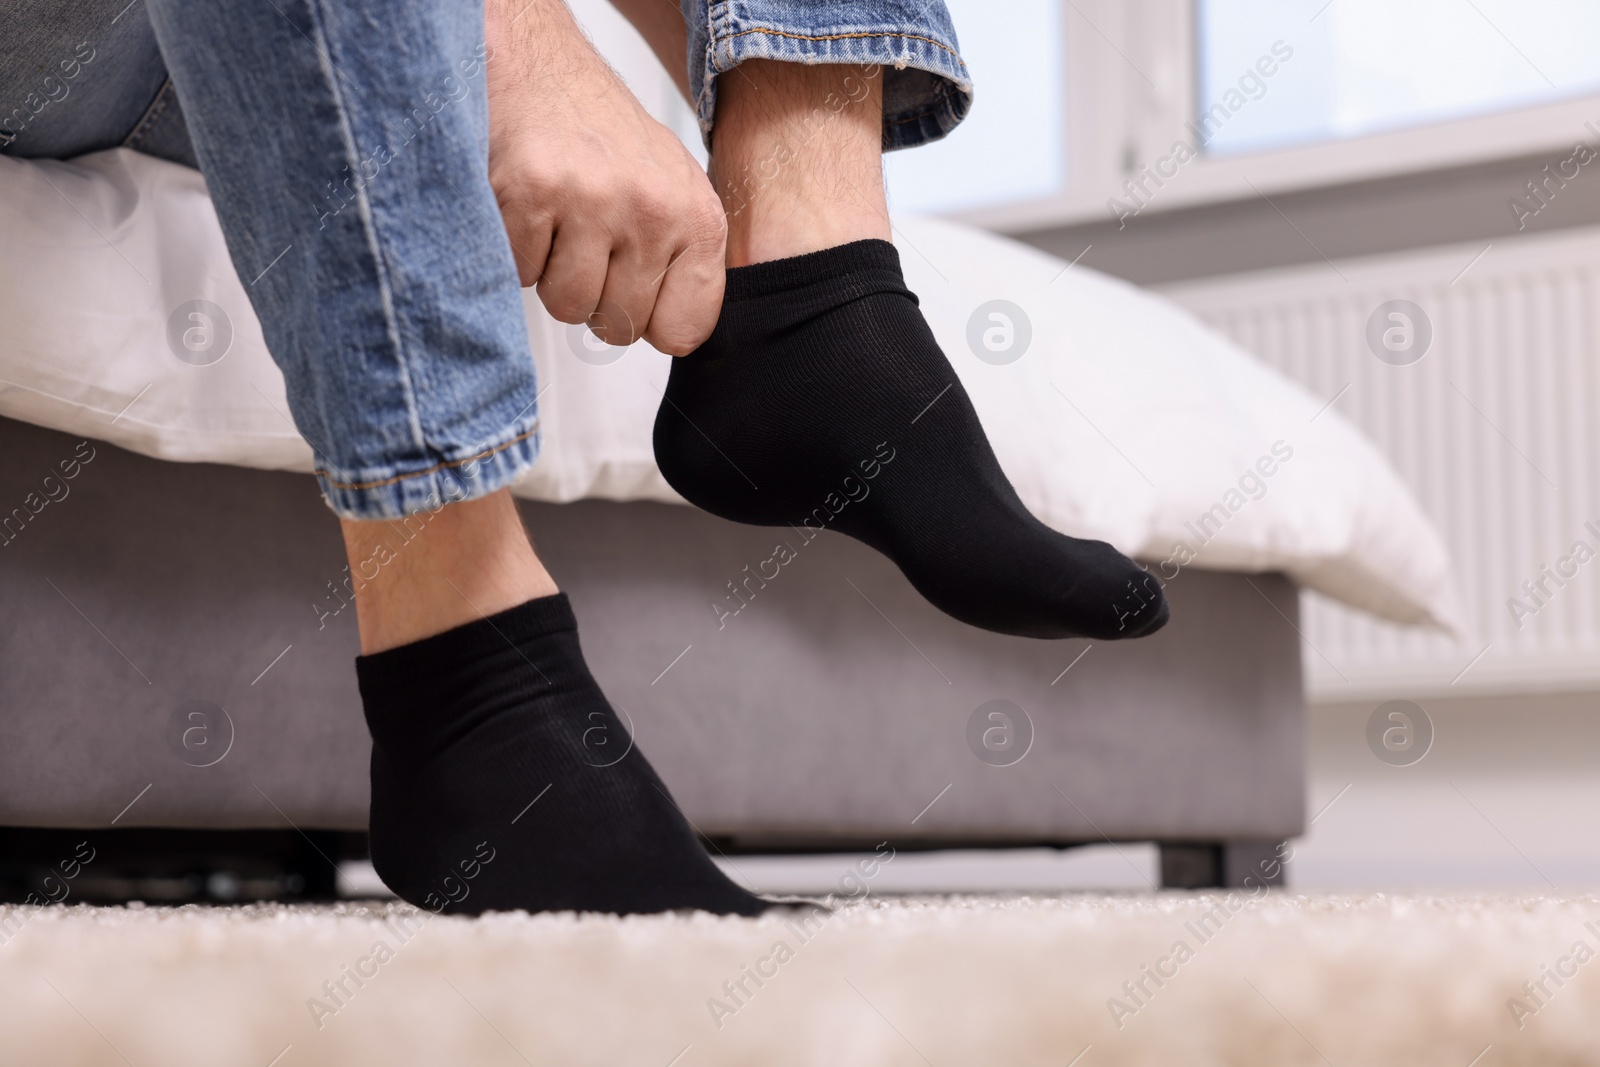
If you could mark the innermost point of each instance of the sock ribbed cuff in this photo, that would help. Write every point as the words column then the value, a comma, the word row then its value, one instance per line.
column 841, row 261
column 395, row 668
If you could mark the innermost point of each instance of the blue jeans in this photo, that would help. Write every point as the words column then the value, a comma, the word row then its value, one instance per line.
column 926, row 88
column 345, row 149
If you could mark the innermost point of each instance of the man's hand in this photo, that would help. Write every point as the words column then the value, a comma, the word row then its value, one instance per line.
column 608, row 213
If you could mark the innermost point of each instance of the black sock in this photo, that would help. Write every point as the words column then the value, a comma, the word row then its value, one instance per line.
column 501, row 779
column 822, row 400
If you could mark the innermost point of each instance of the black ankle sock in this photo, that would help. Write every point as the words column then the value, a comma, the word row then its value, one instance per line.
column 823, row 401
column 501, row 779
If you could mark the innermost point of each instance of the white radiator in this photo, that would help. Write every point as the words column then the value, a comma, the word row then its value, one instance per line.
column 1496, row 429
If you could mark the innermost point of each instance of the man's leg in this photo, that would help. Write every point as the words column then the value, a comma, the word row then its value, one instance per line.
column 82, row 77
column 469, row 561
column 822, row 398
column 798, row 158
column 346, row 151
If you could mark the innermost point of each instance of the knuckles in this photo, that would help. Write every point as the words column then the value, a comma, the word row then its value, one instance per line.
column 677, row 342
column 659, row 203
column 565, row 306
column 706, row 227
column 647, row 204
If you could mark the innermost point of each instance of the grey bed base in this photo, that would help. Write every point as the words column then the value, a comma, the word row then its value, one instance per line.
column 833, row 709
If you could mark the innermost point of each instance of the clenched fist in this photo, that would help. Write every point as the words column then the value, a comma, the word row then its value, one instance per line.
column 608, row 214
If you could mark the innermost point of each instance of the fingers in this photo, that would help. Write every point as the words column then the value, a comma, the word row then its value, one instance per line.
column 529, row 234
column 575, row 274
column 660, row 278
column 609, row 283
column 669, row 294
column 630, row 243
column 689, row 297
column 605, row 208
column 530, row 245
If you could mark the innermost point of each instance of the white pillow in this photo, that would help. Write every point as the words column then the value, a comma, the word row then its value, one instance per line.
column 1124, row 419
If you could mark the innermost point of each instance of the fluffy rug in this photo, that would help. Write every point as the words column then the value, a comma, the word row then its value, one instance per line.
column 1170, row 979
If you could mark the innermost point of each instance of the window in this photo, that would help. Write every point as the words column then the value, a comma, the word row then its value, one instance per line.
column 1366, row 66
column 1012, row 145
column 1080, row 104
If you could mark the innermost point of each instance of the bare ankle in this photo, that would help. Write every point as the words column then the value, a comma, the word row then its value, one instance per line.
column 797, row 158
column 436, row 570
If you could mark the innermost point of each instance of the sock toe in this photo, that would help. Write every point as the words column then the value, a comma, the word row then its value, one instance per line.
column 1111, row 597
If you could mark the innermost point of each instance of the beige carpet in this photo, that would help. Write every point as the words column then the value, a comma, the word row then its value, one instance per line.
column 1282, row 981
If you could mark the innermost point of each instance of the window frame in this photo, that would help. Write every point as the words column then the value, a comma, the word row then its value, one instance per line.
column 1129, row 68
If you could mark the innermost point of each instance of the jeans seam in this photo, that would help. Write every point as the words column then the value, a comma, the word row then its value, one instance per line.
column 838, row 37
column 158, row 107
column 369, row 225
column 712, row 37
column 722, row 36
column 437, row 467
column 945, row 92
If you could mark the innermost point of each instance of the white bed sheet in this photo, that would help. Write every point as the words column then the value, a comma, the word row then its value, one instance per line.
column 1125, row 419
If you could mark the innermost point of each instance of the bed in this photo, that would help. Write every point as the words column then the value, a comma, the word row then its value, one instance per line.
column 175, row 652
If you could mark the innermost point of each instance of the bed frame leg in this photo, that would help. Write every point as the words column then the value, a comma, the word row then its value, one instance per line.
column 1222, row 865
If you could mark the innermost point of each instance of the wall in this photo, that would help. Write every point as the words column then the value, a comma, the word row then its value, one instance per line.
column 1369, row 218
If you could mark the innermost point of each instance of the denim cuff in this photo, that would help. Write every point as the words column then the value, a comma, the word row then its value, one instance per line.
column 926, row 87
column 391, row 493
